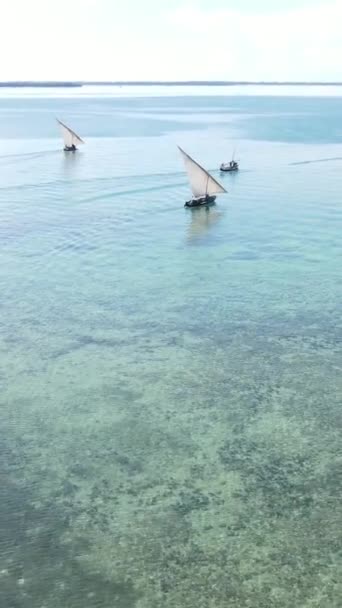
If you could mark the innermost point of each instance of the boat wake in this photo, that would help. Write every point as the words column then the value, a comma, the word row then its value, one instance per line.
column 133, row 191
column 317, row 160
column 27, row 156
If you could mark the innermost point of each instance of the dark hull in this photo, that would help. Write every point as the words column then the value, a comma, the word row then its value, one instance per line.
column 70, row 149
column 229, row 169
column 200, row 201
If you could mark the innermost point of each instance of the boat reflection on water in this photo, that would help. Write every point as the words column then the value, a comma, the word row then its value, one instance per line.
column 202, row 219
column 70, row 164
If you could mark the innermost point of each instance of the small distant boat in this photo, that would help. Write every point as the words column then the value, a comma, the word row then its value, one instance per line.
column 71, row 139
column 233, row 165
column 203, row 185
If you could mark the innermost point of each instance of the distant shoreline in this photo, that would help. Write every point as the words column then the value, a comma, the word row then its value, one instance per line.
column 169, row 83
column 28, row 83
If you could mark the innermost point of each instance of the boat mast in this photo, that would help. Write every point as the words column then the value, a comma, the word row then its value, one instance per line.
column 206, row 188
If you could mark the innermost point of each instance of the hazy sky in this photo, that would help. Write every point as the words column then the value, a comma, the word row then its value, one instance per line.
column 171, row 39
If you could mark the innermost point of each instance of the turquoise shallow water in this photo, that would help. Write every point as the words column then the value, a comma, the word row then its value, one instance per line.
column 170, row 380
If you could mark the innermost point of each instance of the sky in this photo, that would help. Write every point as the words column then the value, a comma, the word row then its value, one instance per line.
column 171, row 40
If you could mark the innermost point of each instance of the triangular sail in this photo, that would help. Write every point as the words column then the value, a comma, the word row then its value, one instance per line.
column 201, row 181
column 69, row 136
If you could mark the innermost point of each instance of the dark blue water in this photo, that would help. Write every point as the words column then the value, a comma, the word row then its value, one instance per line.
column 170, row 380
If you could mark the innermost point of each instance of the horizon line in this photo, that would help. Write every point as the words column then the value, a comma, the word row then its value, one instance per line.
column 80, row 83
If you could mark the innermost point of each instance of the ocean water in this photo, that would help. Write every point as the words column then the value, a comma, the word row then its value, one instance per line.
column 171, row 387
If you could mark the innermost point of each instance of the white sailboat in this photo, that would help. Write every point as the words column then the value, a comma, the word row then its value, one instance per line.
column 203, row 185
column 70, row 138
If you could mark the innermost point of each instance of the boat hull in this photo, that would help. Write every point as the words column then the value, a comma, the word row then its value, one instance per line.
column 200, row 201
column 70, row 149
column 228, row 169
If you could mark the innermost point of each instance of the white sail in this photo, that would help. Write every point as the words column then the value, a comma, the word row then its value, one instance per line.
column 69, row 136
column 201, row 181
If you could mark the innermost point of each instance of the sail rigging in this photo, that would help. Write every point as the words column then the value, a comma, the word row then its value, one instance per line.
column 201, row 182
column 70, row 138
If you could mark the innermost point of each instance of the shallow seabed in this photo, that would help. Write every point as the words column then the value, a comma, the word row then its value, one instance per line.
column 171, row 379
